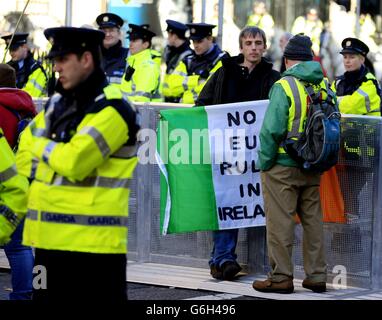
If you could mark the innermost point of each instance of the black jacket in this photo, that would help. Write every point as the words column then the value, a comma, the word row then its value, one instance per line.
column 114, row 61
column 233, row 83
column 201, row 65
column 173, row 55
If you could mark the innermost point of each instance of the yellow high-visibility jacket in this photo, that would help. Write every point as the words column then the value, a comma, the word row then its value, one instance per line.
column 172, row 79
column 31, row 77
column 157, row 57
column 13, row 192
column 364, row 100
column 141, row 80
column 37, row 83
column 78, row 199
column 187, row 83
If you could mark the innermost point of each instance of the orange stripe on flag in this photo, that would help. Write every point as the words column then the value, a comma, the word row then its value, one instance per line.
column 332, row 200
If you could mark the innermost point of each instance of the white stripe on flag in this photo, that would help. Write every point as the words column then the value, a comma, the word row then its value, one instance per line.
column 163, row 169
column 234, row 155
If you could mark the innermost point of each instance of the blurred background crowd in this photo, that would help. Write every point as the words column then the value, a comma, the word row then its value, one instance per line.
column 326, row 22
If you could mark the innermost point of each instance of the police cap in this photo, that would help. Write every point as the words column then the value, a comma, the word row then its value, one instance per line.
column 18, row 40
column 66, row 40
column 176, row 27
column 140, row 32
column 353, row 45
column 109, row 20
column 198, row 31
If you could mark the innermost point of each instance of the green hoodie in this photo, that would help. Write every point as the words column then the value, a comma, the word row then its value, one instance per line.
column 275, row 125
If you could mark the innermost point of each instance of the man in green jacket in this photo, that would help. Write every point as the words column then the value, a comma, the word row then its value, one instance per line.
column 287, row 189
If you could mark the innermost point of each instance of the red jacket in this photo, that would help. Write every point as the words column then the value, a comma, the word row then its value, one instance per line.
column 18, row 101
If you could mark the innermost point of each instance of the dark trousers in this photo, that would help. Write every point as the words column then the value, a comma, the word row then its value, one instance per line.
column 79, row 276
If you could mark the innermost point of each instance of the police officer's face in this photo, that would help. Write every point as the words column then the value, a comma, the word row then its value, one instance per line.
column 19, row 53
column 352, row 61
column 259, row 8
column 171, row 39
column 312, row 15
column 71, row 69
column 253, row 48
column 137, row 45
column 112, row 36
column 202, row 46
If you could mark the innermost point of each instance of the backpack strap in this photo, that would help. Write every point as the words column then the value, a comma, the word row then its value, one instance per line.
column 297, row 102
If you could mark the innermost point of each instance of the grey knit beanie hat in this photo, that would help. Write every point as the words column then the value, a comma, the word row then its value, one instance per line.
column 299, row 48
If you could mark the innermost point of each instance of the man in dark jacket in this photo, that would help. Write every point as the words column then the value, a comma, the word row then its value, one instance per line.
column 113, row 54
column 246, row 77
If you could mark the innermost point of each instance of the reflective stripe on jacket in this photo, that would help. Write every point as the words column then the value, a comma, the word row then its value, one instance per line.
column 298, row 96
column 78, row 200
column 143, row 86
column 13, row 187
column 173, row 81
column 194, row 83
column 365, row 100
column 36, row 85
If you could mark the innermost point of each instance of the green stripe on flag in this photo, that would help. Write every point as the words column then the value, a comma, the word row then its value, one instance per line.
column 193, row 202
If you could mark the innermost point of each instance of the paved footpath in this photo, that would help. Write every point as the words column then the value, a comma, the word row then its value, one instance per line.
column 152, row 281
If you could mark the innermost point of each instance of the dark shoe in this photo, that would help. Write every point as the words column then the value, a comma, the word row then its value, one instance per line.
column 230, row 269
column 216, row 272
column 314, row 286
column 285, row 286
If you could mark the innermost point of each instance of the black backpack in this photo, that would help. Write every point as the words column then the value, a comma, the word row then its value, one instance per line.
column 317, row 147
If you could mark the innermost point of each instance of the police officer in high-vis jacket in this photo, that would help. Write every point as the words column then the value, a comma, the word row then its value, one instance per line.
column 193, row 72
column 114, row 55
column 142, row 77
column 79, row 153
column 358, row 93
column 30, row 75
column 177, row 49
column 358, row 89
column 13, row 192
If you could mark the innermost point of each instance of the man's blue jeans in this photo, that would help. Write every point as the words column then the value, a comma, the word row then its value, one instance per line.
column 21, row 262
column 225, row 242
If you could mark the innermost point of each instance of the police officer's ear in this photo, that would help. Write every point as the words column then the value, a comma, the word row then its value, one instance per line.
column 87, row 60
column 146, row 44
column 25, row 47
column 362, row 59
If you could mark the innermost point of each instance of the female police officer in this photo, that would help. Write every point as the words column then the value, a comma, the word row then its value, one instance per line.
column 358, row 89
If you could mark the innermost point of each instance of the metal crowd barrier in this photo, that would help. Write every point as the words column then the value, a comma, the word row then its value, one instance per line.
column 354, row 247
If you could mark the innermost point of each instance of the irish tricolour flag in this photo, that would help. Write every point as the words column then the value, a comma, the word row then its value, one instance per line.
column 208, row 161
